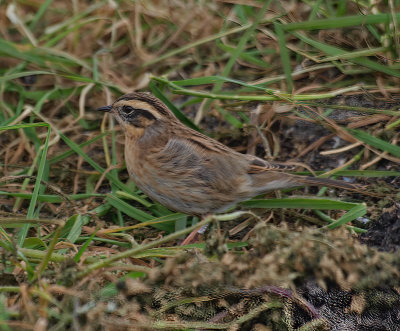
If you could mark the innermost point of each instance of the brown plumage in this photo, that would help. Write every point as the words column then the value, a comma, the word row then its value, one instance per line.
column 187, row 171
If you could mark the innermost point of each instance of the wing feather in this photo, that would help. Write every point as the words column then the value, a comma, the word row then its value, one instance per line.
column 257, row 165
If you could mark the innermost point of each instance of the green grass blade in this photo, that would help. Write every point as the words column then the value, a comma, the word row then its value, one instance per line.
column 23, row 74
column 268, row 95
column 76, row 229
column 240, row 46
column 181, row 116
column 135, row 213
column 196, row 43
column 42, row 266
column 22, row 126
column 376, row 142
column 39, row 14
column 64, row 155
column 51, row 198
column 303, row 203
column 340, row 22
column 158, row 220
column 351, row 215
column 125, row 195
column 78, row 255
column 335, row 51
column 287, row 68
column 70, row 21
column 246, row 56
column 212, row 80
column 75, row 147
column 24, row 230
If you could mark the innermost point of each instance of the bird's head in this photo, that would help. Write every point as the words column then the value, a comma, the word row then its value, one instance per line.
column 136, row 112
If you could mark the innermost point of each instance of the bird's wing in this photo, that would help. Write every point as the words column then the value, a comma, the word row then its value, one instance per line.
column 209, row 163
column 192, row 152
column 216, row 156
column 257, row 165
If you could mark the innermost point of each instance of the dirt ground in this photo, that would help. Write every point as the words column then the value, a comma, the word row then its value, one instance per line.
column 269, row 269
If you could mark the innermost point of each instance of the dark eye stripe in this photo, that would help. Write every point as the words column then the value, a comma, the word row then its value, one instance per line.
column 145, row 97
column 144, row 113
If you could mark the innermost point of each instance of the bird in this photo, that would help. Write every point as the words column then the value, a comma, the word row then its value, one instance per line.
column 189, row 172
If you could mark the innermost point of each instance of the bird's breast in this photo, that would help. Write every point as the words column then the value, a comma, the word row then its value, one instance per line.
column 185, row 181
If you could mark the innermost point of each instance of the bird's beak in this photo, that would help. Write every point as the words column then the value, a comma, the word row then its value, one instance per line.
column 105, row 108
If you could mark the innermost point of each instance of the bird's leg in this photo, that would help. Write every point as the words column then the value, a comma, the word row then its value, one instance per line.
column 194, row 234
column 221, row 218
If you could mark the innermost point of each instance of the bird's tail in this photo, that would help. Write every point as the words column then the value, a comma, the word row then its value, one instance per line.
column 317, row 181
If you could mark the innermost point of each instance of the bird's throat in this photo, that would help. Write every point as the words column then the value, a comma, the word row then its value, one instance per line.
column 133, row 133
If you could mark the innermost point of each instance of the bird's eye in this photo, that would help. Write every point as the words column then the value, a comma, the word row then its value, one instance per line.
column 127, row 110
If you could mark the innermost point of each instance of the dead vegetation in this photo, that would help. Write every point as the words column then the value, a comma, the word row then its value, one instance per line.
column 68, row 210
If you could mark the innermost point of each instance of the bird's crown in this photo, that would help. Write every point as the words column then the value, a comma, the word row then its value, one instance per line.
column 139, row 109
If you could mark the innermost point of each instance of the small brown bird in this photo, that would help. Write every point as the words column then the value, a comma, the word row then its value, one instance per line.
column 187, row 171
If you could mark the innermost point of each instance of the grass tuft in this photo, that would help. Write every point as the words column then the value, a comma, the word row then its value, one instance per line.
column 312, row 83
